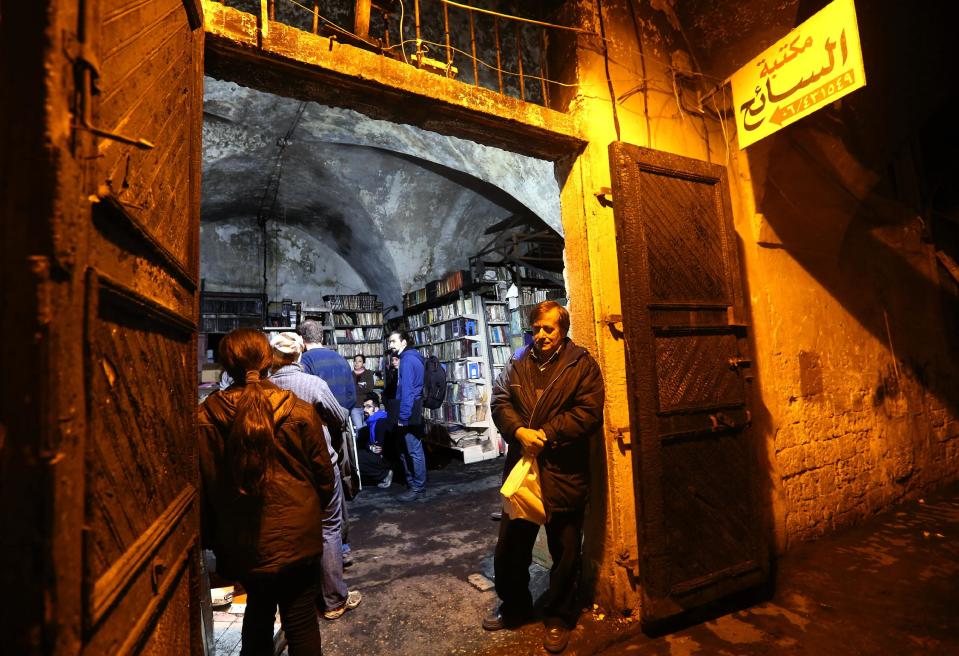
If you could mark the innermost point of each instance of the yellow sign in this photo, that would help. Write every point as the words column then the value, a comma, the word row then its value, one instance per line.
column 818, row 62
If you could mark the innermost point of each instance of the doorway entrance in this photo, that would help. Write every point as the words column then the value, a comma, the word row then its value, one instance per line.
column 365, row 226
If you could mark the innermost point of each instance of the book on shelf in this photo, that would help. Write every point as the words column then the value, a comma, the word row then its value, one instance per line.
column 496, row 312
column 454, row 350
column 465, row 413
column 344, row 318
column 534, row 295
column 495, row 274
column 500, row 354
column 467, row 370
column 448, row 284
column 357, row 302
column 498, row 334
column 474, row 369
column 421, row 336
column 366, row 349
column 457, row 327
column 466, row 390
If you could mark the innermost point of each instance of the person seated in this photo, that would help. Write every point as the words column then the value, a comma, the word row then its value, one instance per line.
column 375, row 469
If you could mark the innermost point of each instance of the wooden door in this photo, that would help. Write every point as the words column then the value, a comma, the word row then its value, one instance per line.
column 140, row 540
column 688, row 379
column 108, row 478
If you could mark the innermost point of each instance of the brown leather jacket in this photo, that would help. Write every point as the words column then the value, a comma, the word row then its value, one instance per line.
column 570, row 412
column 284, row 527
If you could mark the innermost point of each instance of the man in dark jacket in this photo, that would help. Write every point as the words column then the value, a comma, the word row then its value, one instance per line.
column 409, row 418
column 548, row 402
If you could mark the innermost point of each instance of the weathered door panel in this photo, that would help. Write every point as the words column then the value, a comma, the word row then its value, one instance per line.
column 688, row 379
column 140, row 538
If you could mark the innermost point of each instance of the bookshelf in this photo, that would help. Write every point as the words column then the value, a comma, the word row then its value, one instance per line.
column 454, row 328
column 221, row 312
column 352, row 325
column 498, row 334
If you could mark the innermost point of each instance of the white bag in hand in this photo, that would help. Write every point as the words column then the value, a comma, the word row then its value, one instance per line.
column 522, row 494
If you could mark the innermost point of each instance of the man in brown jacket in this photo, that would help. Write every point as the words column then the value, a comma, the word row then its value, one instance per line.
column 548, row 402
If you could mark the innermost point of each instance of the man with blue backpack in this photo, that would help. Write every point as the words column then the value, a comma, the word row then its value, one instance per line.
column 409, row 418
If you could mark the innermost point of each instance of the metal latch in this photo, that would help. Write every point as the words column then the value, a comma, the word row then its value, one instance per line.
column 605, row 196
column 623, row 436
column 628, row 559
column 615, row 324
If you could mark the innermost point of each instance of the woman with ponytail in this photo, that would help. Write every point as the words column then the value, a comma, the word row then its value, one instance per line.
column 266, row 476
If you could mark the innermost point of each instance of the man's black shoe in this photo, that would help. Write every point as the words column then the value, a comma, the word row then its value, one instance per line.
column 557, row 637
column 496, row 621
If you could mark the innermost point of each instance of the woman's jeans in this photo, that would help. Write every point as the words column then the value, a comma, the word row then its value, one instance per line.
column 294, row 591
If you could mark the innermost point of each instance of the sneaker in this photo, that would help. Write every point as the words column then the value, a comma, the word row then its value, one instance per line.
column 386, row 482
column 496, row 621
column 353, row 599
column 347, row 558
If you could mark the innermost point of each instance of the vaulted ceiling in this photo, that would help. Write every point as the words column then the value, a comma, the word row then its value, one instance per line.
column 360, row 204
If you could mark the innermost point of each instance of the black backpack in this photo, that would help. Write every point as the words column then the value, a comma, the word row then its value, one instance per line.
column 434, row 383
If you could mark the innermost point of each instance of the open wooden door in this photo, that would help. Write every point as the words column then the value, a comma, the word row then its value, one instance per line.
column 105, row 204
column 688, row 379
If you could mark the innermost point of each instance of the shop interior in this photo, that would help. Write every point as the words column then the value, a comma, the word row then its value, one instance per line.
column 313, row 212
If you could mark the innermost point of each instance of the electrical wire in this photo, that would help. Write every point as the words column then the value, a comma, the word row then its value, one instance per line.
column 489, row 66
column 489, row 12
column 609, row 81
column 402, row 39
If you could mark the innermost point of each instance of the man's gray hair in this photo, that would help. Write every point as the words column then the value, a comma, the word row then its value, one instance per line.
column 311, row 332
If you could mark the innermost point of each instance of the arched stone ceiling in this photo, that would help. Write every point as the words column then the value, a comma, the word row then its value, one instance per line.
column 362, row 205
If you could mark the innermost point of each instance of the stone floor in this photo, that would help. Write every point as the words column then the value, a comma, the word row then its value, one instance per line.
column 890, row 586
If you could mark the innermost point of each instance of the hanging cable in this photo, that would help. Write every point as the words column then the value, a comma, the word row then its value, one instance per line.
column 271, row 192
column 609, row 80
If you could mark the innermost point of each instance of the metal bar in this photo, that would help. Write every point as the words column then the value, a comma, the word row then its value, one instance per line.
column 473, row 47
column 542, row 67
column 316, row 16
column 499, row 63
column 446, row 28
column 264, row 21
column 519, row 62
column 515, row 18
column 419, row 41
column 272, row 7
column 361, row 19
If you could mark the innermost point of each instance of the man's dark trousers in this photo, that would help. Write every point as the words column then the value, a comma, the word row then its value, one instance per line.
column 514, row 554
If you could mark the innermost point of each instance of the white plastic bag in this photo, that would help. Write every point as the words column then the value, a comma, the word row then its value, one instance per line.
column 522, row 495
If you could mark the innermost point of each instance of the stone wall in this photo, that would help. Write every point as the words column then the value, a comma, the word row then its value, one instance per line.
column 856, row 406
